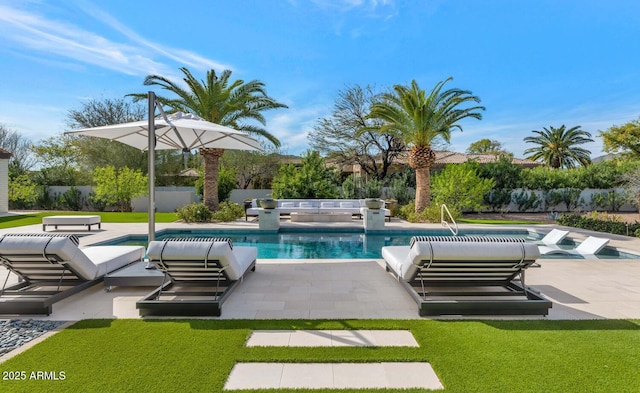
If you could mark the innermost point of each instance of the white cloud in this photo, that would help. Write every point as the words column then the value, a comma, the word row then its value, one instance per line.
column 292, row 126
column 28, row 31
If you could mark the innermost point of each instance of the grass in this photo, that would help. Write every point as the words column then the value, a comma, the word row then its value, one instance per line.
column 467, row 356
column 497, row 222
column 36, row 218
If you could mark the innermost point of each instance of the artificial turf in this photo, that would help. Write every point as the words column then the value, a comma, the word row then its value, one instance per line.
column 17, row 220
column 467, row 356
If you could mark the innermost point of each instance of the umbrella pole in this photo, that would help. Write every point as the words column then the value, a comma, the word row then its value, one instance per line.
column 152, row 170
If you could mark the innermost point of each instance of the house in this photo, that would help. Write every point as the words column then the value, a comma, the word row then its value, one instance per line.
column 443, row 158
column 4, row 180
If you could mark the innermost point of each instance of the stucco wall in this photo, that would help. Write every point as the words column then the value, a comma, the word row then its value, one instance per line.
column 4, row 185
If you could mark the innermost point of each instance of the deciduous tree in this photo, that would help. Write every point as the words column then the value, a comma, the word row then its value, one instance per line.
column 623, row 139
column 487, row 146
column 311, row 180
column 349, row 136
column 119, row 187
column 19, row 146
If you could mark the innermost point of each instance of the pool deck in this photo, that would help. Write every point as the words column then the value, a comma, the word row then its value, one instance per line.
column 361, row 289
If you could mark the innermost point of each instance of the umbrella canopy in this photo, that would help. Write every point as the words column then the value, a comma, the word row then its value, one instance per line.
column 183, row 131
column 178, row 131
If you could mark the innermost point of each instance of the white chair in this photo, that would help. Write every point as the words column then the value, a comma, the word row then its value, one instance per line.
column 52, row 267
column 200, row 273
column 467, row 275
column 589, row 247
column 554, row 237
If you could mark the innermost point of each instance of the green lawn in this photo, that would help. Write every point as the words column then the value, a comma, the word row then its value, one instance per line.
column 36, row 218
column 496, row 222
column 468, row 356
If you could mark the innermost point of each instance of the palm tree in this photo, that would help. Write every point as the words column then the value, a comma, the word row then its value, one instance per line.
column 557, row 147
column 221, row 101
column 419, row 119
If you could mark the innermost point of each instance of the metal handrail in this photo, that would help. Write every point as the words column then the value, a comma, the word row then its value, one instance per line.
column 444, row 223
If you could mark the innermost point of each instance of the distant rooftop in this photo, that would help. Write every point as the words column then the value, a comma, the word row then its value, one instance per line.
column 5, row 154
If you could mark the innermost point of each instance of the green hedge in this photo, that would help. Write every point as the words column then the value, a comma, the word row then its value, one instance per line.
column 600, row 225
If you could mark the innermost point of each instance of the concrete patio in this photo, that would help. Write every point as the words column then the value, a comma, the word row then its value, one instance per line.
column 361, row 289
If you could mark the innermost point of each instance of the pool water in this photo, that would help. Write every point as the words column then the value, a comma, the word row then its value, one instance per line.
column 311, row 244
column 347, row 244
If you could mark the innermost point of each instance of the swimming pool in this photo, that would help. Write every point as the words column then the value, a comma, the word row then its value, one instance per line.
column 290, row 243
column 312, row 244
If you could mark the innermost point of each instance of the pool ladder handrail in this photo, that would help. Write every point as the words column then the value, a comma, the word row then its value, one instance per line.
column 454, row 229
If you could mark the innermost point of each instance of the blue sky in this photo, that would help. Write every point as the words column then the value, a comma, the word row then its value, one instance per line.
column 534, row 64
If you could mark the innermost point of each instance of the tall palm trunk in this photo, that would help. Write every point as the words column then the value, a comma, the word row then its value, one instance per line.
column 423, row 188
column 421, row 158
column 211, row 158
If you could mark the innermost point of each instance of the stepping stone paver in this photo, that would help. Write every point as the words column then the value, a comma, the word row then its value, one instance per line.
column 331, row 338
column 390, row 375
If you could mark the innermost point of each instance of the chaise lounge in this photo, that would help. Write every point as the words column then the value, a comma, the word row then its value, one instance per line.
column 554, row 237
column 51, row 267
column 463, row 275
column 588, row 248
column 200, row 273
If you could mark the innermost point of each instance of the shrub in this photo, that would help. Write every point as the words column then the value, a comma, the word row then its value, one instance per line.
column 372, row 188
column 459, row 187
column 600, row 223
column 499, row 199
column 119, row 187
column 609, row 200
column 228, row 211
column 526, row 201
column 226, row 183
column 312, row 180
column 22, row 192
column 430, row 214
column 569, row 196
column 400, row 189
column 96, row 204
column 71, row 199
column 196, row 212
column 349, row 190
column 44, row 200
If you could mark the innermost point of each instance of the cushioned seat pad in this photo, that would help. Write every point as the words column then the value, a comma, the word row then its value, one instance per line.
column 236, row 261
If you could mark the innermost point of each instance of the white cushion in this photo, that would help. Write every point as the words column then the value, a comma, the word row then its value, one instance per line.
column 405, row 260
column 107, row 258
column 306, row 204
column 73, row 220
column 346, row 204
column 110, row 258
column 327, row 204
column 236, row 261
column 288, row 204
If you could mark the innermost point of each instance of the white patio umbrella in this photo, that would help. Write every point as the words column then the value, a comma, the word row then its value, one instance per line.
column 180, row 131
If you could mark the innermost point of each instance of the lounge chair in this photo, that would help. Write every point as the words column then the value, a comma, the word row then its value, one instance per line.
column 474, row 276
column 200, row 273
column 51, row 267
column 589, row 247
column 554, row 237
